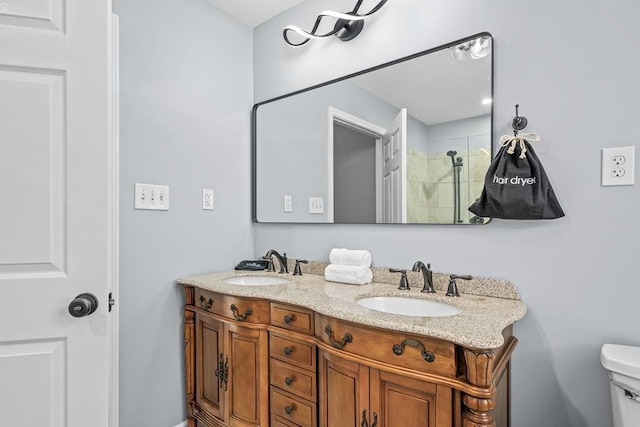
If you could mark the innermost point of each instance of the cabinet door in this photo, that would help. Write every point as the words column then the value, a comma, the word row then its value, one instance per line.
column 209, row 353
column 248, row 376
column 399, row 401
column 344, row 391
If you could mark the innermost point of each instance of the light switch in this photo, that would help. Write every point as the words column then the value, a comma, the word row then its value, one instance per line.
column 151, row 197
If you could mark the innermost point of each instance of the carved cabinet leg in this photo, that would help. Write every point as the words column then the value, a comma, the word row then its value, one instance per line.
column 189, row 359
column 478, row 412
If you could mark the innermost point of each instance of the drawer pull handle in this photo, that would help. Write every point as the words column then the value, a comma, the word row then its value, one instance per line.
column 240, row 317
column 289, row 409
column 288, row 319
column 427, row 355
column 204, row 303
column 288, row 381
column 365, row 423
column 347, row 338
column 288, row 350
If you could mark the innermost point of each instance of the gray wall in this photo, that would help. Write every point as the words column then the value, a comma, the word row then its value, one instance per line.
column 573, row 69
column 186, row 97
column 354, row 172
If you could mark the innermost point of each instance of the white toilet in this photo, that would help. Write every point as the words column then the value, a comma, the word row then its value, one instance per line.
column 623, row 364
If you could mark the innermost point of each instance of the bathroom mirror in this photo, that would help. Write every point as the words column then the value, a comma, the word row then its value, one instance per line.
column 405, row 142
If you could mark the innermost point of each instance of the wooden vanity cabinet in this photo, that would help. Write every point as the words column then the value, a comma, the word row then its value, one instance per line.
column 354, row 394
column 372, row 378
column 229, row 364
column 257, row 363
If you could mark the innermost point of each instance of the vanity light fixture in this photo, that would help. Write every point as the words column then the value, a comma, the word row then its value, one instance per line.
column 347, row 27
column 471, row 49
column 487, row 101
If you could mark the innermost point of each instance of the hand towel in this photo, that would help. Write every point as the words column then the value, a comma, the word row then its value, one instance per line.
column 348, row 274
column 342, row 256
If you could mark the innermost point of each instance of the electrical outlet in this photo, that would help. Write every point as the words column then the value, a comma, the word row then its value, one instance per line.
column 618, row 160
column 316, row 205
column 151, row 197
column 207, row 199
column 618, row 166
column 288, row 203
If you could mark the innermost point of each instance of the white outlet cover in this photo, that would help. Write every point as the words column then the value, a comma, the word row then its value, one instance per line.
column 207, row 199
column 288, row 203
column 618, row 166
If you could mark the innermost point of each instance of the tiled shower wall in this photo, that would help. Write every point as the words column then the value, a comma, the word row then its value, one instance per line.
column 430, row 185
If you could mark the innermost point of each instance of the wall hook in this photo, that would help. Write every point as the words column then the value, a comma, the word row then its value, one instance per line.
column 519, row 122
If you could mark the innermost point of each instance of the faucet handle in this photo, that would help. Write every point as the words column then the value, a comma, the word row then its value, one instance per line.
column 269, row 263
column 296, row 269
column 452, row 290
column 404, row 282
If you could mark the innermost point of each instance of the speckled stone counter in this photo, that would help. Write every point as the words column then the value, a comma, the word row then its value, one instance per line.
column 478, row 326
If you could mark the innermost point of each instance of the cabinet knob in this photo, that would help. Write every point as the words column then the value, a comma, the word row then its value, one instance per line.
column 288, row 381
column 288, row 350
column 289, row 409
column 288, row 319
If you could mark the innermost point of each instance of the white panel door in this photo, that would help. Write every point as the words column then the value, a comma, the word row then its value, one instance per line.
column 56, row 211
column 394, row 170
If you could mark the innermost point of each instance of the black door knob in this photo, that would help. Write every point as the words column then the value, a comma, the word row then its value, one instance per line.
column 83, row 305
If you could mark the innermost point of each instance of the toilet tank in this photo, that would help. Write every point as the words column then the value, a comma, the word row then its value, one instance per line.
column 623, row 364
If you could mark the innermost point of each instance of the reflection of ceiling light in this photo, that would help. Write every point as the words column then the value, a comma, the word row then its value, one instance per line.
column 487, row 101
column 347, row 27
column 472, row 49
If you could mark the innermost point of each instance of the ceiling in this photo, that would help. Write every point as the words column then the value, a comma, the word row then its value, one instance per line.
column 254, row 12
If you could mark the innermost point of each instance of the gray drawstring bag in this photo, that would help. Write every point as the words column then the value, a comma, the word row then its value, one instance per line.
column 516, row 185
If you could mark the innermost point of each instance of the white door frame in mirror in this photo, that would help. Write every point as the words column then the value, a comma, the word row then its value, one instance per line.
column 336, row 116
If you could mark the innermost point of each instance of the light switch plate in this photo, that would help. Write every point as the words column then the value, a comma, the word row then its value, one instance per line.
column 618, row 166
column 316, row 205
column 151, row 197
column 288, row 203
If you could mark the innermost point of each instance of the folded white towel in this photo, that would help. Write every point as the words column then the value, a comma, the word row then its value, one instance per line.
column 348, row 274
column 342, row 256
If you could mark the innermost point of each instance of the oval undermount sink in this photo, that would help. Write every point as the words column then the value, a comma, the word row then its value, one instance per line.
column 409, row 306
column 255, row 281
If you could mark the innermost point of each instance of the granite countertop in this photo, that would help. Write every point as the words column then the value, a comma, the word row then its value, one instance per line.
column 478, row 326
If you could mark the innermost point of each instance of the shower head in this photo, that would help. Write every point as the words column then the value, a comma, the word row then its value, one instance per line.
column 452, row 154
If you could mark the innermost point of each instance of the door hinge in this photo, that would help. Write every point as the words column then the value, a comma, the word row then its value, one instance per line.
column 112, row 302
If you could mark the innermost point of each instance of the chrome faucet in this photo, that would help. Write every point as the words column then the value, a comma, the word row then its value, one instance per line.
column 427, row 276
column 282, row 259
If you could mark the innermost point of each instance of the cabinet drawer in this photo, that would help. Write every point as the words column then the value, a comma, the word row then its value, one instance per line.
column 293, row 408
column 293, row 351
column 291, row 317
column 276, row 421
column 393, row 347
column 241, row 309
column 293, row 380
